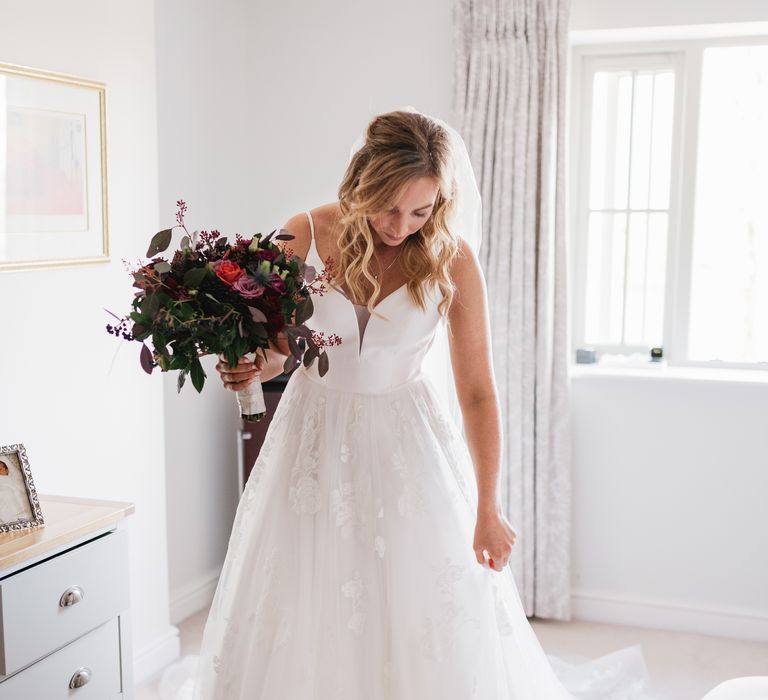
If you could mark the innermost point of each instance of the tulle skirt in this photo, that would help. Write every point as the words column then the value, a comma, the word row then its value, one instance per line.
column 350, row 571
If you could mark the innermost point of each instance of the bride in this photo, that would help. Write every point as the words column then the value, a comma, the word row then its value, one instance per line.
column 368, row 556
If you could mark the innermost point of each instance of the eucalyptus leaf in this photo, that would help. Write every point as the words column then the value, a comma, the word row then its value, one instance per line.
column 195, row 276
column 308, row 272
column 162, row 267
column 293, row 346
column 139, row 331
column 198, row 374
column 257, row 314
column 322, row 364
column 160, row 242
column 151, row 305
column 310, row 355
column 304, row 310
column 290, row 364
column 145, row 358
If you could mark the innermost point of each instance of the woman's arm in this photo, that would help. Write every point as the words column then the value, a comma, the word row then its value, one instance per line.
column 471, row 358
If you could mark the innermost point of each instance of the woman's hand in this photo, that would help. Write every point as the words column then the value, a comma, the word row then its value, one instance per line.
column 239, row 377
column 493, row 534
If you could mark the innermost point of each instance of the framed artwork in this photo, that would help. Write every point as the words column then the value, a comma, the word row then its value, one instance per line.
column 53, row 169
column 19, row 504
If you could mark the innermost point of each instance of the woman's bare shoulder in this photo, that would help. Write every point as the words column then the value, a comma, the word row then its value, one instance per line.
column 324, row 217
column 465, row 271
column 298, row 227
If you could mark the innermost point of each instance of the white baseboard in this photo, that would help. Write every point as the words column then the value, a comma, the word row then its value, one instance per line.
column 164, row 650
column 193, row 596
column 611, row 608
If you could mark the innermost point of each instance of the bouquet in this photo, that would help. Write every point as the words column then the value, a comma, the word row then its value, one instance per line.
column 229, row 299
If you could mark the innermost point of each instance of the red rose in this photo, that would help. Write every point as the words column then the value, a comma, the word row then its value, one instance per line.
column 228, row 272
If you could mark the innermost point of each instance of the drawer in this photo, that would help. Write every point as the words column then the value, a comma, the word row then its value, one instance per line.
column 95, row 657
column 35, row 615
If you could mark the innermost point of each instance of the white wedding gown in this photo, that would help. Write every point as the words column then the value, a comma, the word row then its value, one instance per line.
column 350, row 573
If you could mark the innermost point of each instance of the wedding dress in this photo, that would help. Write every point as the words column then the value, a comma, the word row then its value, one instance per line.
column 350, row 573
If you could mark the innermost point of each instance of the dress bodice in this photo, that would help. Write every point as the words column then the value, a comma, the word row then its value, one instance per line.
column 379, row 351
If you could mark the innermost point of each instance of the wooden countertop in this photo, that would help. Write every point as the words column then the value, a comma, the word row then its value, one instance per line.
column 66, row 520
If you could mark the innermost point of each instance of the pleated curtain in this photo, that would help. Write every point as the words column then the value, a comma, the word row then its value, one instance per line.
column 509, row 106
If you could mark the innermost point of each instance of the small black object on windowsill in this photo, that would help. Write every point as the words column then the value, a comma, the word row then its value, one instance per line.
column 585, row 356
column 657, row 354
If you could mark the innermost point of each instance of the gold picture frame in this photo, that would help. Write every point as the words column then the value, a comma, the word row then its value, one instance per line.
column 53, row 170
column 19, row 504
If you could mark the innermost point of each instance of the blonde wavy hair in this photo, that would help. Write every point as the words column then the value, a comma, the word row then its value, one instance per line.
column 399, row 147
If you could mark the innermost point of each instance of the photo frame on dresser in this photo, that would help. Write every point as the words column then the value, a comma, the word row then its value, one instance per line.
column 19, row 504
column 53, row 162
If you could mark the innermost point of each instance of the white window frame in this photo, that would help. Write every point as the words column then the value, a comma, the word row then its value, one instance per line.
column 686, row 56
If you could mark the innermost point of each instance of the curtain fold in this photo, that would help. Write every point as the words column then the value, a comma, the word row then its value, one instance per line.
column 509, row 106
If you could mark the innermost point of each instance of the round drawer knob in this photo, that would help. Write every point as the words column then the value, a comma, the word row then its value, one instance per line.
column 73, row 594
column 81, row 677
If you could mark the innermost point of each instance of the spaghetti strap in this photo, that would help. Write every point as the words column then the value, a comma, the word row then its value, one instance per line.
column 313, row 257
column 311, row 225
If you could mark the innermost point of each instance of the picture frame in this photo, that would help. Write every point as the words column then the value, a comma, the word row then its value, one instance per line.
column 53, row 197
column 19, row 504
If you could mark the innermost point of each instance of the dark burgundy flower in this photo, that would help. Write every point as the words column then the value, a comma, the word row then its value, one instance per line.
column 277, row 284
column 268, row 254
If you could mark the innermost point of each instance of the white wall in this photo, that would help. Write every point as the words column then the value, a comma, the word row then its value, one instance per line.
column 258, row 105
column 91, row 420
column 670, row 477
column 670, row 473
column 615, row 14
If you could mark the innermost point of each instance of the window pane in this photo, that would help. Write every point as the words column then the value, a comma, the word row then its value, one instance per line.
column 729, row 289
column 609, row 157
column 642, row 104
column 605, row 278
column 635, row 305
column 653, row 330
column 631, row 133
column 661, row 143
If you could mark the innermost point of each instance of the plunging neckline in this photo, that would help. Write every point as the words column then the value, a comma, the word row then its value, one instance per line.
column 360, row 336
column 378, row 303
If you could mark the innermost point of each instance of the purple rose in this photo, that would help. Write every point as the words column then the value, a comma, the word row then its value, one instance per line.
column 248, row 287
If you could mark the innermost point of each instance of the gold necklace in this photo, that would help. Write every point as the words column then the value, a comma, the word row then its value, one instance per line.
column 376, row 276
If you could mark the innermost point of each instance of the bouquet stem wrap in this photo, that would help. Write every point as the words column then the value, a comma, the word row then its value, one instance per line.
column 251, row 399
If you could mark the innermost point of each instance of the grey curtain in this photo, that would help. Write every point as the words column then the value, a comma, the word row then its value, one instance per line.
column 509, row 106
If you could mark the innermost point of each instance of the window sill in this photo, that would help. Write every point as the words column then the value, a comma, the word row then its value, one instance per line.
column 663, row 371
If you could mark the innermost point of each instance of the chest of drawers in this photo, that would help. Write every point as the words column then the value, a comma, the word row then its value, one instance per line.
column 64, row 604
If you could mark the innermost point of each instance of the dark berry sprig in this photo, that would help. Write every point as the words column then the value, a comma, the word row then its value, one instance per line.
column 181, row 204
column 320, row 339
column 122, row 329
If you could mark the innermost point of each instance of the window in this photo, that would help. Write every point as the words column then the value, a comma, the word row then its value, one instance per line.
column 669, row 171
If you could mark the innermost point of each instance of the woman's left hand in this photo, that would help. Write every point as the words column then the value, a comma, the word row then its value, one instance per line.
column 493, row 534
